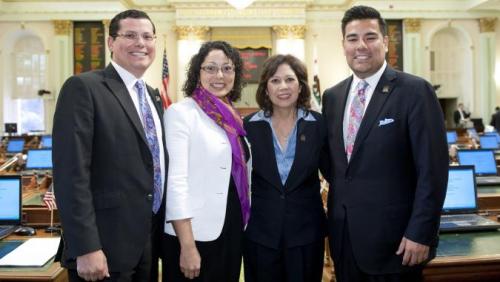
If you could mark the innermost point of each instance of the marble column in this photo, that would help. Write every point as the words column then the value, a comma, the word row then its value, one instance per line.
column 487, row 46
column 412, row 50
column 290, row 40
column 189, row 40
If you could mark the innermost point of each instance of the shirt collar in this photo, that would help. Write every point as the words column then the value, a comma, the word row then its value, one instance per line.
column 128, row 78
column 301, row 114
column 371, row 80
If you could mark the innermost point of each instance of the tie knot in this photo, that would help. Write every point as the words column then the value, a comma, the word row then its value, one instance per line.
column 362, row 85
column 139, row 85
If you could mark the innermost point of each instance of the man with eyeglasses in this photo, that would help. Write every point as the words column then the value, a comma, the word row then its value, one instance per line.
column 110, row 161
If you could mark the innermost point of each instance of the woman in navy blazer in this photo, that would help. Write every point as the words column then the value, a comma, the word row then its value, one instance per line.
column 284, row 239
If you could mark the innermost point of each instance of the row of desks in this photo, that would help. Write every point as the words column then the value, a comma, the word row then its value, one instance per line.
column 460, row 257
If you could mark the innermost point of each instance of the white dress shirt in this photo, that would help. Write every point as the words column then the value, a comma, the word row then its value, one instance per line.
column 130, row 80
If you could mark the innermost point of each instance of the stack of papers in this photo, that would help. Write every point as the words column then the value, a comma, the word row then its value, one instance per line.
column 35, row 252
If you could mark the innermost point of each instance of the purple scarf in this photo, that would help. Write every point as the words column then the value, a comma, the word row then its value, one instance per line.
column 232, row 124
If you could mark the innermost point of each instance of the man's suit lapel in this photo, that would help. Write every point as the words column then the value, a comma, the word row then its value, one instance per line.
column 302, row 154
column 115, row 84
column 339, row 109
column 382, row 91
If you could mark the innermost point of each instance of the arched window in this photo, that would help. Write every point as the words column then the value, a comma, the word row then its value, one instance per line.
column 29, row 76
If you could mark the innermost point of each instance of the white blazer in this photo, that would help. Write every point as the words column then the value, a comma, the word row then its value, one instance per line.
column 199, row 170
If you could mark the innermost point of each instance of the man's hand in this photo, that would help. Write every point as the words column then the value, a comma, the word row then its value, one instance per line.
column 414, row 253
column 92, row 266
column 190, row 262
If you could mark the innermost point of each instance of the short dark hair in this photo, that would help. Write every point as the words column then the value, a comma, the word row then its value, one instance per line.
column 363, row 13
column 269, row 69
column 194, row 68
column 114, row 25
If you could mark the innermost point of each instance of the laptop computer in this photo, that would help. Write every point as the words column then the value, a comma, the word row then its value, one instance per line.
column 484, row 162
column 493, row 133
column 452, row 137
column 46, row 141
column 15, row 146
column 10, row 203
column 39, row 159
column 460, row 205
column 489, row 142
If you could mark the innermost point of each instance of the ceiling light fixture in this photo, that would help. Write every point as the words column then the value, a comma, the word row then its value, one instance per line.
column 240, row 4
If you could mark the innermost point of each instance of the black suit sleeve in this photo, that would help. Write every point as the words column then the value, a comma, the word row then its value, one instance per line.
column 72, row 157
column 430, row 153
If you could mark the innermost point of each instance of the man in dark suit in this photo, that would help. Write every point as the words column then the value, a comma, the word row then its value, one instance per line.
column 110, row 160
column 389, row 161
column 461, row 116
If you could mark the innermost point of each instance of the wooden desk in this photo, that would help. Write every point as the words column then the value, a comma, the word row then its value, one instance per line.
column 51, row 272
column 466, row 257
column 488, row 198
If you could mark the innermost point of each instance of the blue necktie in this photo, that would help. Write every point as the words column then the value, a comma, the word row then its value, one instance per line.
column 154, row 146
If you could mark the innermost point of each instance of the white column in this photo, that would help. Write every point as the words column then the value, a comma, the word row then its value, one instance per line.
column 487, row 90
column 290, row 40
column 412, row 50
column 189, row 40
column 62, row 66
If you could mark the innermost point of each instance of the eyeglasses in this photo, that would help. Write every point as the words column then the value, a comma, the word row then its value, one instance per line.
column 214, row 69
column 133, row 36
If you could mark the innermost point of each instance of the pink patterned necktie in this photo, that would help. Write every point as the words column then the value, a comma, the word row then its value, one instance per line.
column 355, row 117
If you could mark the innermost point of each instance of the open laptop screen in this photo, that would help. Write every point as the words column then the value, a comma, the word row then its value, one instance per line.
column 488, row 142
column 10, row 200
column 15, row 146
column 39, row 159
column 461, row 191
column 493, row 133
column 46, row 141
column 483, row 161
column 451, row 136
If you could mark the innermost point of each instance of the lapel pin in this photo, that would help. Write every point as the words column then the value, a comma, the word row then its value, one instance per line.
column 385, row 89
column 157, row 98
column 302, row 138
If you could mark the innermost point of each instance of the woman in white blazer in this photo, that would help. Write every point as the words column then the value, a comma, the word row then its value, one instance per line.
column 207, row 202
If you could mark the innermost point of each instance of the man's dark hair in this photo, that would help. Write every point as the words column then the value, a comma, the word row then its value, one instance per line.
column 193, row 74
column 363, row 13
column 114, row 25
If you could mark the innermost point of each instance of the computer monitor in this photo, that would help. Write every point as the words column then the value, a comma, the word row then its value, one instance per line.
column 10, row 127
column 15, row 146
column 39, row 159
column 493, row 133
column 488, row 142
column 10, row 199
column 451, row 136
column 461, row 190
column 46, row 141
column 483, row 160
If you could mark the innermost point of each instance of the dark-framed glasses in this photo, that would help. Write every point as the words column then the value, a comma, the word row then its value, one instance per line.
column 133, row 36
column 213, row 69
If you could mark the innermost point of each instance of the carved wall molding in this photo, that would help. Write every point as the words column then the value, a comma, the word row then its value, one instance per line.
column 487, row 24
column 191, row 32
column 62, row 27
column 290, row 31
column 412, row 25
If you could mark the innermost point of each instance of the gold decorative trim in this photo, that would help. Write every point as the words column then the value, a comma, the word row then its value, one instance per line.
column 62, row 27
column 487, row 24
column 412, row 25
column 191, row 32
column 290, row 31
column 106, row 24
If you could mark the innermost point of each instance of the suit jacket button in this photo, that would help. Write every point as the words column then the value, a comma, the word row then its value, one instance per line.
column 149, row 197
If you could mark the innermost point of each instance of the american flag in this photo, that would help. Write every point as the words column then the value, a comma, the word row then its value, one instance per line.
column 165, row 76
column 50, row 199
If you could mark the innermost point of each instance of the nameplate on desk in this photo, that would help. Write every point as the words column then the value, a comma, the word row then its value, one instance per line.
column 35, row 252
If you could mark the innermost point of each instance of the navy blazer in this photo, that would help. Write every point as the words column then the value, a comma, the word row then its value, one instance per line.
column 395, row 182
column 292, row 214
column 103, row 169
